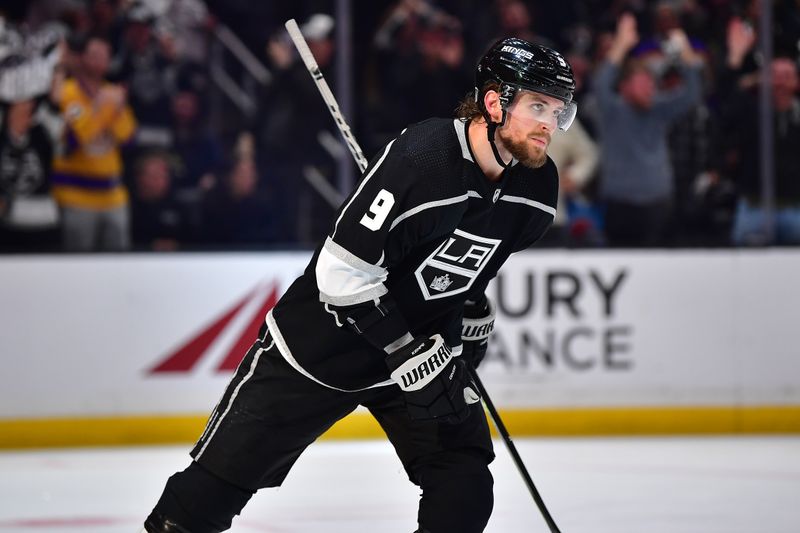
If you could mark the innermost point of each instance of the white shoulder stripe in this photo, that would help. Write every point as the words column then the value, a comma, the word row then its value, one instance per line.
column 462, row 139
column 363, row 182
column 527, row 201
column 427, row 205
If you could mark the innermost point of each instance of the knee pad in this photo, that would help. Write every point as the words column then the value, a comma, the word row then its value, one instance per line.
column 457, row 493
column 196, row 501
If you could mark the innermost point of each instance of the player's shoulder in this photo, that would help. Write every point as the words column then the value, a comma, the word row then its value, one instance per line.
column 539, row 184
column 430, row 143
column 433, row 150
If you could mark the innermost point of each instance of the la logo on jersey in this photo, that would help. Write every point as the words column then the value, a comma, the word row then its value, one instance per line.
column 453, row 266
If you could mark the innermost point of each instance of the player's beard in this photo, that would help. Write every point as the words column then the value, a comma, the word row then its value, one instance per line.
column 524, row 151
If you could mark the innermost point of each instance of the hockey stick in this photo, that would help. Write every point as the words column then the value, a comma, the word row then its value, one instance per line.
column 361, row 161
column 313, row 69
column 501, row 428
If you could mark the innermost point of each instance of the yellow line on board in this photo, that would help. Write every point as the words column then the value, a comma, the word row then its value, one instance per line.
column 184, row 429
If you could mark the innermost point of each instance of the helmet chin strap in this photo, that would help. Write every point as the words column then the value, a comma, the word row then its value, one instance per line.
column 491, row 127
column 507, row 93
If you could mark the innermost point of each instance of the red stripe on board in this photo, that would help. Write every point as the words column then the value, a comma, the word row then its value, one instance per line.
column 185, row 357
column 242, row 344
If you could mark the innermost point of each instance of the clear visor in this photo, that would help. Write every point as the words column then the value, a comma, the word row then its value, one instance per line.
column 558, row 116
column 567, row 116
column 546, row 109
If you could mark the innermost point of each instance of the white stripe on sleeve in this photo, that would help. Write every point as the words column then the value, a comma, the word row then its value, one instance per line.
column 428, row 205
column 527, row 201
column 344, row 279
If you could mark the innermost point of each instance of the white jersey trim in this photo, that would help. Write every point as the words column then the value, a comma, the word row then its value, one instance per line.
column 283, row 348
column 364, row 295
column 344, row 279
column 351, row 259
column 460, row 126
column 219, row 420
column 427, row 205
column 363, row 182
column 335, row 315
column 527, row 201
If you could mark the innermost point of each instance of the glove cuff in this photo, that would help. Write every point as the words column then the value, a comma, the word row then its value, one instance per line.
column 478, row 329
column 418, row 363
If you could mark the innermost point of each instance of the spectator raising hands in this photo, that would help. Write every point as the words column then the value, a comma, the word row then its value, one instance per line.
column 637, row 183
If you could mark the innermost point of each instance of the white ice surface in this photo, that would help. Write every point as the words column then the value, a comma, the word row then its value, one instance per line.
column 607, row 485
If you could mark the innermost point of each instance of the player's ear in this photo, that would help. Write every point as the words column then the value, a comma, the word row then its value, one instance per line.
column 491, row 100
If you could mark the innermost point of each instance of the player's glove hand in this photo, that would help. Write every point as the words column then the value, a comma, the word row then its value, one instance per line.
column 436, row 384
column 476, row 326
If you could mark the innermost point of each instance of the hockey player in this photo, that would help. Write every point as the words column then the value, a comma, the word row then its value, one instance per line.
column 391, row 309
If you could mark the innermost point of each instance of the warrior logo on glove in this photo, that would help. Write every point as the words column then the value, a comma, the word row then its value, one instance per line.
column 410, row 379
column 435, row 384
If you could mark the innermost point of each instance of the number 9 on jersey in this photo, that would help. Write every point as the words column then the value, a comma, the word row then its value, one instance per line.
column 378, row 211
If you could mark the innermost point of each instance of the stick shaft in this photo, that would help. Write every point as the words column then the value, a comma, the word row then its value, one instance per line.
column 324, row 90
column 512, row 449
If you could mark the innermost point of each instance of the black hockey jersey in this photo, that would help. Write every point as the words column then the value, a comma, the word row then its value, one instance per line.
column 424, row 227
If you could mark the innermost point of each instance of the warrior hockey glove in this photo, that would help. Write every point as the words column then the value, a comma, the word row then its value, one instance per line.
column 436, row 384
column 476, row 326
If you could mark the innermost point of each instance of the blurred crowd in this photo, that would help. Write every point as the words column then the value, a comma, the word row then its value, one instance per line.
column 182, row 125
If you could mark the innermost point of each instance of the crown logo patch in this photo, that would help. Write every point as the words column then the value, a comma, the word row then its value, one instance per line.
column 454, row 265
column 440, row 283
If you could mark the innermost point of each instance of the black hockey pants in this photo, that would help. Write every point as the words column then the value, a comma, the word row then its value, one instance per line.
column 270, row 413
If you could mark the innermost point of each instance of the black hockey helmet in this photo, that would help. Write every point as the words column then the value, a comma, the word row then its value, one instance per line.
column 523, row 65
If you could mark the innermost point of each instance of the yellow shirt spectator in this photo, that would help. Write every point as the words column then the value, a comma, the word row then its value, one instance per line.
column 88, row 175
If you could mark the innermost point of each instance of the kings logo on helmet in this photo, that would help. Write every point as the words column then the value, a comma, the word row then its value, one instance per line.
column 518, row 51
